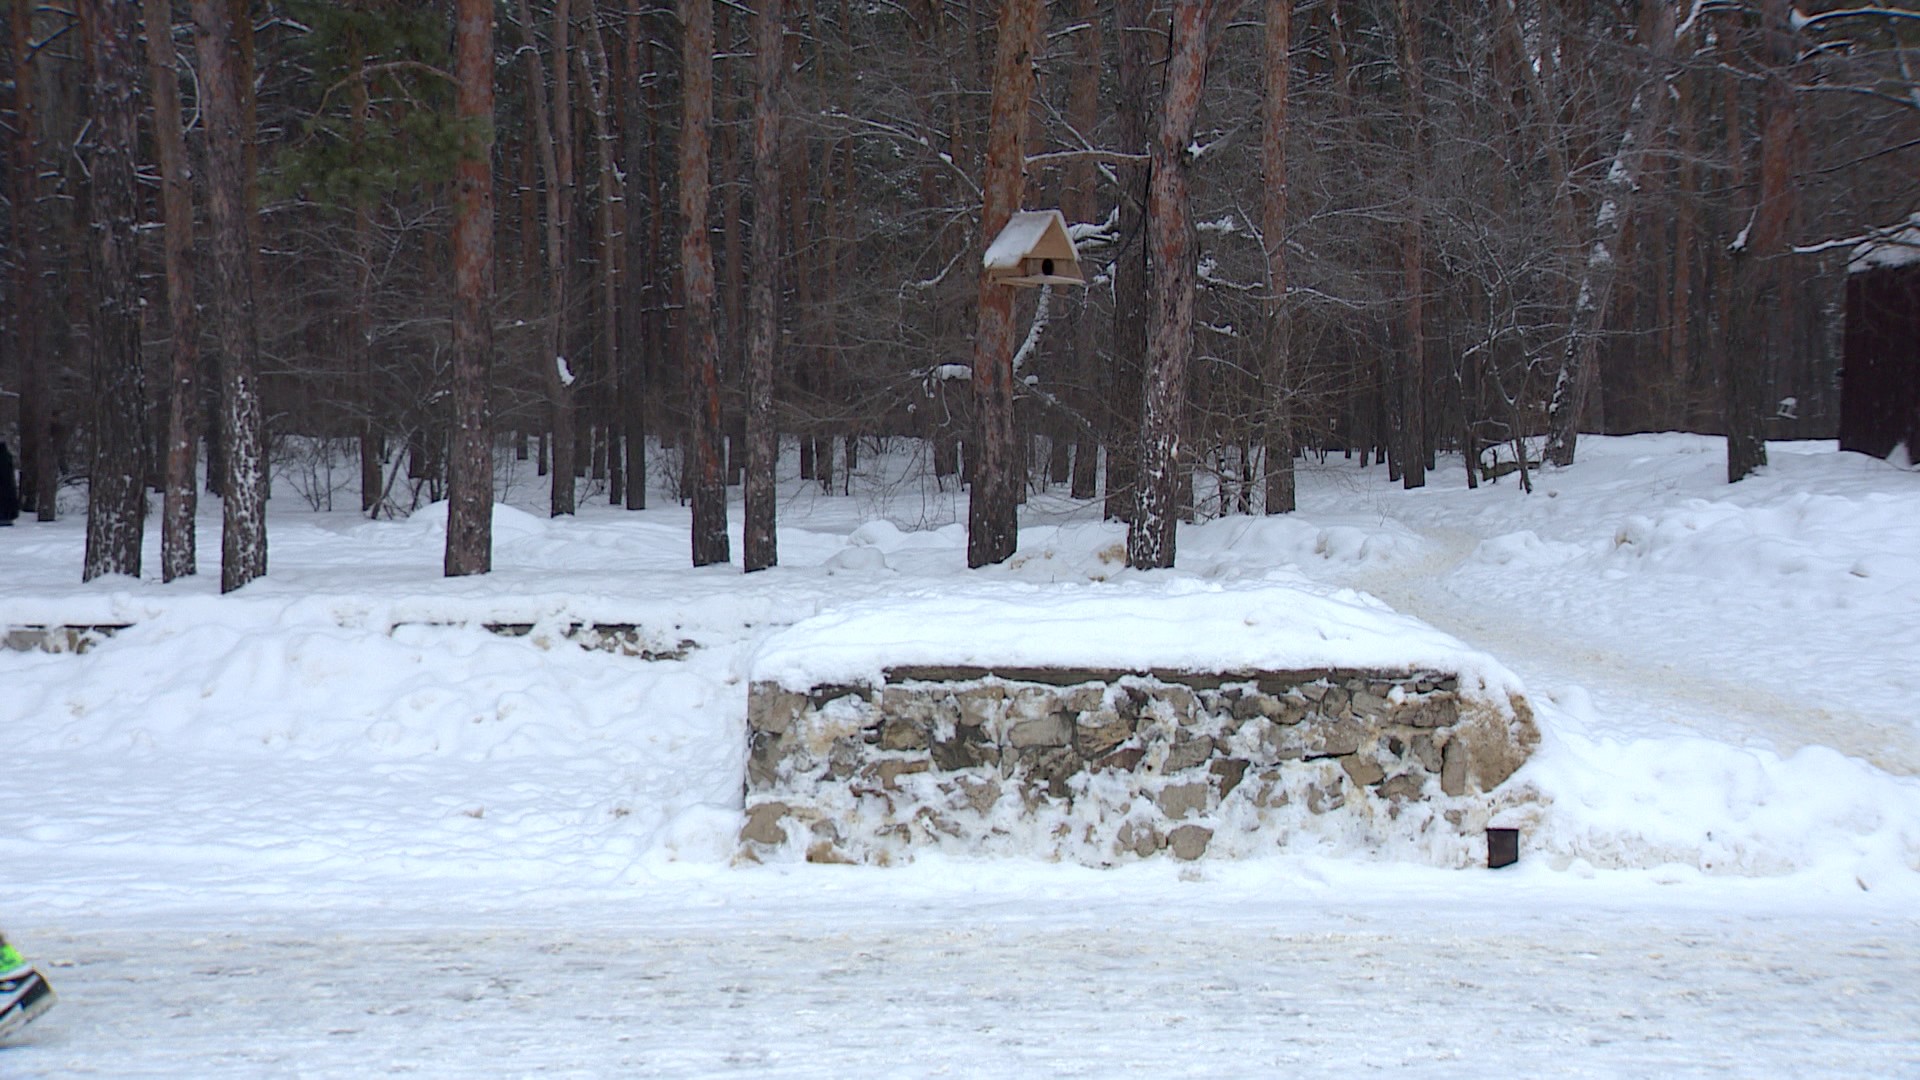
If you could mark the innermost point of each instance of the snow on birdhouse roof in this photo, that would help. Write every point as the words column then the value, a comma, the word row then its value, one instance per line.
column 1029, row 233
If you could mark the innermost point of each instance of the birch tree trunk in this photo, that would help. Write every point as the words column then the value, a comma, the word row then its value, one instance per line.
column 243, row 495
column 470, row 466
column 993, row 501
column 178, row 555
column 1573, row 382
column 1151, row 534
column 1277, row 378
column 116, row 483
column 700, row 361
column 761, row 547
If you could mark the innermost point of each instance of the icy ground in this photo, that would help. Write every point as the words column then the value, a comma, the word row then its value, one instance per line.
column 308, row 830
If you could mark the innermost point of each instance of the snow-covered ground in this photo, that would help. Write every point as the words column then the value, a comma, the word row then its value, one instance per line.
column 312, row 829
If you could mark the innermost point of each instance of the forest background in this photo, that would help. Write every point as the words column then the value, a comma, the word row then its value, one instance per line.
column 415, row 232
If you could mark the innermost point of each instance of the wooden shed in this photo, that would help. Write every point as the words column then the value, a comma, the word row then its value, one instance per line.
column 1034, row 249
column 1880, row 365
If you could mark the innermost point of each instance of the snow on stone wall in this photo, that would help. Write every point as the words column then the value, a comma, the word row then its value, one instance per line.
column 1101, row 767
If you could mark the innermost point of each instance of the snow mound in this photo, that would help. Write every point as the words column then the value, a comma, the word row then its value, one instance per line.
column 509, row 523
column 1169, row 625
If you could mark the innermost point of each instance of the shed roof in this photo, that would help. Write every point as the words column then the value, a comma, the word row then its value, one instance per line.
column 1895, row 246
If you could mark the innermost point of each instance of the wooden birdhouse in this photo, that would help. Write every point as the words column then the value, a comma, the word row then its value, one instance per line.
column 1033, row 250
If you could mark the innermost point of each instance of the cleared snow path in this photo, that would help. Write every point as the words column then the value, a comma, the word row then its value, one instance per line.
column 1024, row 986
column 1636, row 684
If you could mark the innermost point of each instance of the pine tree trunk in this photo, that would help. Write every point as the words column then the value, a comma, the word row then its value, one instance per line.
column 1157, row 506
column 1760, row 262
column 470, row 466
column 1081, row 201
column 610, row 213
column 1277, row 376
column 39, row 465
column 552, row 133
column 701, row 359
column 243, row 534
column 1129, row 267
column 643, row 279
column 178, row 556
column 360, row 317
column 993, row 501
column 1410, row 388
column 116, row 483
column 759, row 542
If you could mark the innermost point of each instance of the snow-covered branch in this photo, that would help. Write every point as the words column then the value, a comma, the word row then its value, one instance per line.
column 1041, row 314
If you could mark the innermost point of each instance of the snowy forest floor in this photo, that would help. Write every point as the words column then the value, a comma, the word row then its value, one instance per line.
column 312, row 829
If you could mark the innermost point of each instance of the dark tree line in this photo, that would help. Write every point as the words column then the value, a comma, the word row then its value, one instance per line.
column 569, row 230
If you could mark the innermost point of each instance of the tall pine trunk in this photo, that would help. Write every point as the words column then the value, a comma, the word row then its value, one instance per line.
column 470, row 465
column 1081, row 202
column 39, row 465
column 1410, row 387
column 1129, row 267
column 700, row 359
column 610, row 213
column 360, row 317
column 1761, row 255
column 1170, row 247
column 178, row 545
column 243, row 533
column 552, row 130
column 1276, row 376
column 993, row 530
column 760, row 546
column 116, row 484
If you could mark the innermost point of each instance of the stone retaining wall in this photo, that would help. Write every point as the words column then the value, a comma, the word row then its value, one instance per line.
column 1103, row 767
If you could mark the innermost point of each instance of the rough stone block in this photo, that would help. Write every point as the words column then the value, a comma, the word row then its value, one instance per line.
column 1453, row 768
column 980, row 705
column 1189, row 842
column 1184, row 800
column 968, row 749
column 1099, row 731
column 1401, row 788
column 764, row 823
column 771, row 708
column 1230, row 771
column 1141, row 839
column 887, row 773
column 1363, row 770
column 1435, row 710
column 1047, row 729
column 1369, row 705
column 904, row 733
column 1187, row 752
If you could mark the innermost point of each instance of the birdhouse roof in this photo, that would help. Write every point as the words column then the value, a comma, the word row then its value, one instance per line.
column 1038, row 234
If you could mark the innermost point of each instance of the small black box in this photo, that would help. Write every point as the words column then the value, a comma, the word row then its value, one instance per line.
column 1503, row 847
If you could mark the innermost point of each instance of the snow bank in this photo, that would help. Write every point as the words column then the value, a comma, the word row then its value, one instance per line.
column 1181, row 625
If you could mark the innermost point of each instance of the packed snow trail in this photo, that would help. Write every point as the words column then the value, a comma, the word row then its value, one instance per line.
column 1023, row 985
column 1635, row 692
